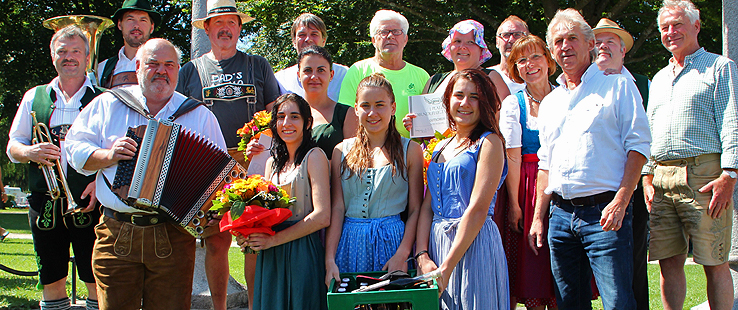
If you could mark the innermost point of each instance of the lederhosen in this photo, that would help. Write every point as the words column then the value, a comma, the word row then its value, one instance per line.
column 110, row 80
column 53, row 232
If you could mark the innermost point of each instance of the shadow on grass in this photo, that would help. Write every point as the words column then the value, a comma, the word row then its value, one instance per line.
column 18, row 293
column 15, row 222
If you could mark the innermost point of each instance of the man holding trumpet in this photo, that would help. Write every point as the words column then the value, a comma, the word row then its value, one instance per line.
column 57, row 105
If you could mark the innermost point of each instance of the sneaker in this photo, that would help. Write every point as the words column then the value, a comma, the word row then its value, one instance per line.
column 3, row 236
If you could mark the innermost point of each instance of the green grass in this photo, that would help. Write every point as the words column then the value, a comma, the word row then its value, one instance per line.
column 696, row 284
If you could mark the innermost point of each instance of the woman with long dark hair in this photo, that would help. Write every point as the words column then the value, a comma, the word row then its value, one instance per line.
column 290, row 265
column 456, row 233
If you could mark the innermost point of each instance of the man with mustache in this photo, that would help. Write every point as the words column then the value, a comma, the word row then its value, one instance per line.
column 690, row 179
column 56, row 105
column 612, row 42
column 510, row 30
column 140, row 259
column 234, row 85
column 136, row 20
column 594, row 142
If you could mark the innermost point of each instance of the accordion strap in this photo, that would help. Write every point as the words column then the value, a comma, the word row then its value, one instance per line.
column 128, row 99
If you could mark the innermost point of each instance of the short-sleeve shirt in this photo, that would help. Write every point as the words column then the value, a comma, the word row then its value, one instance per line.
column 232, row 115
column 406, row 82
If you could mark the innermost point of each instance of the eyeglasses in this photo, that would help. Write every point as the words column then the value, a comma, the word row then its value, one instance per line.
column 534, row 58
column 385, row 33
column 515, row 35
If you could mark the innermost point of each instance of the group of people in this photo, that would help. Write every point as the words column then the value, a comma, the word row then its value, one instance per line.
column 530, row 201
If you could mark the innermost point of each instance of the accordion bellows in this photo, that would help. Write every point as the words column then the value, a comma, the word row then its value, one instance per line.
column 175, row 172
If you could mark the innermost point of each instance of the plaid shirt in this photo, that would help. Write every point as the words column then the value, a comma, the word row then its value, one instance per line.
column 694, row 111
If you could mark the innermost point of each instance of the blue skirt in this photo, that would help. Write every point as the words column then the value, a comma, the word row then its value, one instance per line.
column 479, row 280
column 367, row 244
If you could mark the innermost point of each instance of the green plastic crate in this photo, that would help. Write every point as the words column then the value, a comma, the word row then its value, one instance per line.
column 420, row 298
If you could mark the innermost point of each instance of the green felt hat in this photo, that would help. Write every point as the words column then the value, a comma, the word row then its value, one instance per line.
column 138, row 5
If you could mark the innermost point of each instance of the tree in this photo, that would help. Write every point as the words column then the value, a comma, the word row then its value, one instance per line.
column 348, row 23
column 26, row 60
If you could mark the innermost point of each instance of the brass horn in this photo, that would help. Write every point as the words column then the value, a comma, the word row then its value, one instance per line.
column 92, row 26
column 54, row 175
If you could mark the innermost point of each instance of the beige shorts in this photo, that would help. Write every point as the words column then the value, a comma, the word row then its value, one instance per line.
column 679, row 212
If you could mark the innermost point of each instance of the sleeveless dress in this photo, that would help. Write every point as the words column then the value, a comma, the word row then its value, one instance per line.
column 327, row 136
column 479, row 280
column 372, row 228
column 290, row 276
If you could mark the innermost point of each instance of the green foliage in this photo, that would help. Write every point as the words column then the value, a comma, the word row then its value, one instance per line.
column 348, row 23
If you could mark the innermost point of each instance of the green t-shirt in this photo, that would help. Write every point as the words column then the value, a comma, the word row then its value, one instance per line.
column 408, row 81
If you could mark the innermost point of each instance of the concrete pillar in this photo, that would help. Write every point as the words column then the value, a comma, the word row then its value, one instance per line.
column 730, row 50
column 200, row 42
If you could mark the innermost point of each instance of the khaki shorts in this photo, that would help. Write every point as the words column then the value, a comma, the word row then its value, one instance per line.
column 679, row 212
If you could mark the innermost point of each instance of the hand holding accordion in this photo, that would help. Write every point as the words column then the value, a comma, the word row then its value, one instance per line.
column 175, row 172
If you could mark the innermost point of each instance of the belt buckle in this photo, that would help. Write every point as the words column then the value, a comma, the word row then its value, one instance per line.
column 139, row 219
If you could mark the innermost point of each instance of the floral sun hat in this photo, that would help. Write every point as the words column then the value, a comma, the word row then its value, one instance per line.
column 464, row 27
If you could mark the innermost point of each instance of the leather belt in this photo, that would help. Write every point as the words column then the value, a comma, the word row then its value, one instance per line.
column 596, row 199
column 135, row 219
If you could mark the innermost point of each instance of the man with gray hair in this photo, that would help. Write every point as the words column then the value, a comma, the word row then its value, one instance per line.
column 57, row 105
column 594, row 141
column 140, row 260
column 689, row 182
column 388, row 30
column 308, row 30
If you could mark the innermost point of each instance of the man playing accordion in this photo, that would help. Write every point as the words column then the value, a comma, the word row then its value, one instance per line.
column 140, row 259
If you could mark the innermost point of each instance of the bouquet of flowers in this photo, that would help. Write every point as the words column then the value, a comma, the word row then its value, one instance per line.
column 252, row 205
column 257, row 125
column 429, row 146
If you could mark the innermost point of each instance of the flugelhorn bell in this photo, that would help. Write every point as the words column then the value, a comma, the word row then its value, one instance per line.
column 92, row 26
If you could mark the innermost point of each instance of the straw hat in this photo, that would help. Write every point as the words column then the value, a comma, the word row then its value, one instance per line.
column 606, row 25
column 221, row 7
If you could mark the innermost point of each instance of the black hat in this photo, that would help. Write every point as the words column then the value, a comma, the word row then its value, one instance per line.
column 138, row 5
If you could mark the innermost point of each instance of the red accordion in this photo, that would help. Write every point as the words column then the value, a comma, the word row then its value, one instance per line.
column 175, row 172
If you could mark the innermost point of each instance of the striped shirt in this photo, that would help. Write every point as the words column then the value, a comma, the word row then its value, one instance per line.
column 694, row 111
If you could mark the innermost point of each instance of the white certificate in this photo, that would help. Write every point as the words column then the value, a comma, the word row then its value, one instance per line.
column 257, row 164
column 431, row 115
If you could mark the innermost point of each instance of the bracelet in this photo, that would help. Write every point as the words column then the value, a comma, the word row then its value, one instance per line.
column 420, row 253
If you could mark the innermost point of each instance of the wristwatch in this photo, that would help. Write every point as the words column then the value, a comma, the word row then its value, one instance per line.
column 732, row 174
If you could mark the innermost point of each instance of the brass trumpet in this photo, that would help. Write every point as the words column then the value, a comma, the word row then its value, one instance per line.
column 54, row 175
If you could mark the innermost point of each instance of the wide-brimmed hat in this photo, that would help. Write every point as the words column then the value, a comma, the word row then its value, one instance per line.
column 464, row 27
column 221, row 7
column 138, row 5
column 606, row 25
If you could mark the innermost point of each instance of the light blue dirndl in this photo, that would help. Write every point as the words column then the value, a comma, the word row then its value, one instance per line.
column 480, row 279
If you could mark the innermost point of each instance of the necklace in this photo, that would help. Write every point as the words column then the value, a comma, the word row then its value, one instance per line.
column 531, row 96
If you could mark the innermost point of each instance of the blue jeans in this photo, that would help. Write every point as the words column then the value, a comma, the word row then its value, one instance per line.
column 579, row 248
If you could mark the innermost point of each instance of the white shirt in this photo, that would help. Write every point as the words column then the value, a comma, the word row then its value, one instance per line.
column 510, row 121
column 106, row 119
column 124, row 64
column 511, row 85
column 289, row 82
column 587, row 132
column 21, row 131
